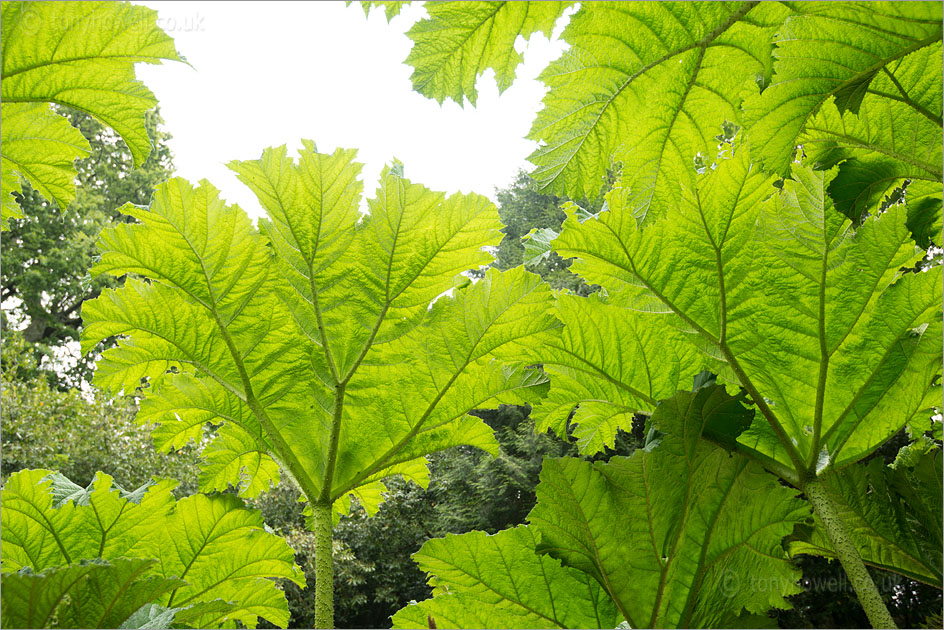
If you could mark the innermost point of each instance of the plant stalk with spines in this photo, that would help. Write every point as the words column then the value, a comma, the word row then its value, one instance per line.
column 324, row 569
column 843, row 544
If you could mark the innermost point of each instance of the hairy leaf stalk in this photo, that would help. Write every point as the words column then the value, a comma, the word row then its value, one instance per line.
column 865, row 588
column 324, row 566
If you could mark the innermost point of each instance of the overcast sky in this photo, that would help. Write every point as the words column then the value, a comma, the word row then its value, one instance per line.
column 266, row 74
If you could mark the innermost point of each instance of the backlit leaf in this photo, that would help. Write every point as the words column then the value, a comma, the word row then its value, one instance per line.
column 783, row 296
column 460, row 40
column 194, row 551
column 893, row 516
column 500, row 580
column 647, row 84
column 315, row 344
column 833, row 50
column 79, row 54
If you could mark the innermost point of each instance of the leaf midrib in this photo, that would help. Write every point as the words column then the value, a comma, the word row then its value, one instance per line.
column 381, row 462
column 83, row 58
column 248, row 396
column 853, row 142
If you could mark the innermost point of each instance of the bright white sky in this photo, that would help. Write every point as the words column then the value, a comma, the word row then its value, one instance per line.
column 266, row 74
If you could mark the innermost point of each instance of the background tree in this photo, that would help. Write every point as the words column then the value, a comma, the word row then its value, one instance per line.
column 523, row 209
column 46, row 257
column 46, row 427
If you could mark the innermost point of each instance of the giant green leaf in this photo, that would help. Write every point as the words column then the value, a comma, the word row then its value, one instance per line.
column 80, row 54
column 647, row 84
column 500, row 582
column 785, row 297
column 460, row 40
column 313, row 342
column 674, row 536
column 653, row 309
column 204, row 553
column 467, row 353
column 838, row 49
column 40, row 145
column 89, row 594
column 892, row 514
column 680, row 554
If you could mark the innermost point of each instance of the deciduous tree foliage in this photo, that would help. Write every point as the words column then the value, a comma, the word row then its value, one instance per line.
column 78, row 54
column 44, row 427
column 531, row 216
column 47, row 254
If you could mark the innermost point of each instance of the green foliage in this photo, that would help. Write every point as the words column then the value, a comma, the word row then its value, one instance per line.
column 829, row 601
column 332, row 327
column 686, row 543
column 340, row 349
column 77, row 435
column 528, row 216
column 860, row 54
column 830, row 324
column 351, row 574
column 647, row 85
column 837, row 348
column 468, row 490
column 523, row 209
column 291, row 339
column 81, row 55
column 499, row 582
column 48, row 253
column 89, row 594
column 459, row 41
column 894, row 514
column 803, row 299
column 92, row 557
